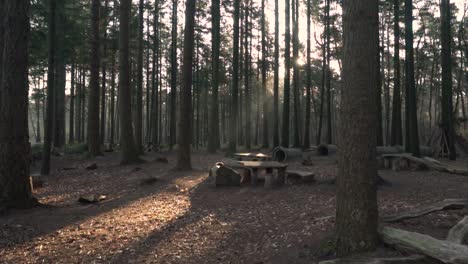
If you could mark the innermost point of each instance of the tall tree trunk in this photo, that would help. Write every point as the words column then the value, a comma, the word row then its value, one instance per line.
column 60, row 78
column 287, row 78
column 296, row 100
column 185, row 126
column 306, row 144
column 155, row 79
column 139, row 92
column 129, row 152
column 102, row 126
column 447, row 104
column 93, row 101
column 378, row 95
column 356, row 212
column 248, row 103
column 71, row 129
column 328, row 81
column 264, row 80
column 173, row 118
column 412, row 140
column 213, row 140
column 235, row 81
column 397, row 131
column 49, row 125
column 15, row 149
column 276, row 141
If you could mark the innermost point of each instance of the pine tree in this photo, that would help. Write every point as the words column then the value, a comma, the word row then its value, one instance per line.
column 183, row 154
column 447, row 104
column 93, row 101
column 235, row 81
column 287, row 78
column 213, row 140
column 356, row 212
column 15, row 150
column 129, row 151
column 49, row 125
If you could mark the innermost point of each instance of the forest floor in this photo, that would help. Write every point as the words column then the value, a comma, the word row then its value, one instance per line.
column 183, row 218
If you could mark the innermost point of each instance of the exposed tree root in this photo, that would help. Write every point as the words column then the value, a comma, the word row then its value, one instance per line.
column 448, row 204
column 443, row 250
column 459, row 232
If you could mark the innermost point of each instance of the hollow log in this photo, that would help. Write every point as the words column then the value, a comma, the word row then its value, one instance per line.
column 284, row 154
column 459, row 232
column 443, row 250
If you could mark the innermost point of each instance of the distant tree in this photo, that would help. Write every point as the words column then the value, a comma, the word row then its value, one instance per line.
column 173, row 94
column 15, row 150
column 49, row 116
column 447, row 104
column 306, row 144
column 185, row 136
column 276, row 140
column 129, row 152
column 213, row 140
column 139, row 92
column 235, row 81
column 397, row 133
column 264, row 79
column 412, row 134
column 356, row 212
column 60, row 76
column 287, row 77
column 93, row 101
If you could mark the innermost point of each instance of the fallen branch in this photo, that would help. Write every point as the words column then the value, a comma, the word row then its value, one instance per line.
column 401, row 260
column 445, row 251
column 429, row 163
column 448, row 204
column 459, row 232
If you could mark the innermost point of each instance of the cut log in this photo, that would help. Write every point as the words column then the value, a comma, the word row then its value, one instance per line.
column 445, row 251
column 385, row 150
column 297, row 177
column 415, row 259
column 459, row 232
column 448, row 204
column 36, row 181
column 224, row 175
column 284, row 154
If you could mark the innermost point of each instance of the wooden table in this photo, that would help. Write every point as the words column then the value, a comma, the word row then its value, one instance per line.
column 252, row 157
column 277, row 177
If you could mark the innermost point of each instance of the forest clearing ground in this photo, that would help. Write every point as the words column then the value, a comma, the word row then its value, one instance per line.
column 182, row 218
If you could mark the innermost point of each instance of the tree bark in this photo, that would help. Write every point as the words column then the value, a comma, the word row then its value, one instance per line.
column 129, row 152
column 287, row 78
column 356, row 214
column 139, row 92
column 185, row 136
column 412, row 140
column 15, row 149
column 173, row 93
column 446, row 56
column 93, row 101
column 397, row 131
column 276, row 139
column 45, row 168
column 235, row 81
column 213, row 140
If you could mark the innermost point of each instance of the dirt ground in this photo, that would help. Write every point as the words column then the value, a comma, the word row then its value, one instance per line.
column 183, row 218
